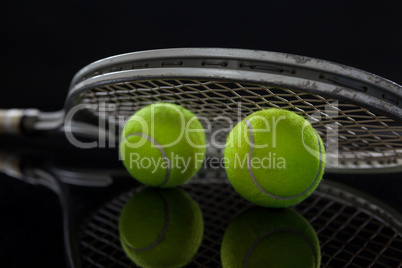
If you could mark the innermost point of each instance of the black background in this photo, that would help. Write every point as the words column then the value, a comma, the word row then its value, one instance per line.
column 44, row 43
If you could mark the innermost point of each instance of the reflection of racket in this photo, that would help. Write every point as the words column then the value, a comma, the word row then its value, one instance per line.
column 353, row 230
column 357, row 113
column 61, row 180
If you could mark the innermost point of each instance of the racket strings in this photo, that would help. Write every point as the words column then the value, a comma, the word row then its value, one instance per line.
column 360, row 134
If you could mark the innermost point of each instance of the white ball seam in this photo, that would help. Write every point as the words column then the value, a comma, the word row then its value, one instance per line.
column 251, row 174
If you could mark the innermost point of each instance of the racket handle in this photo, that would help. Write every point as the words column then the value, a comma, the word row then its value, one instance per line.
column 17, row 121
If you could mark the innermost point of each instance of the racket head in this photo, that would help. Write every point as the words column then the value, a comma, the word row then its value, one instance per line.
column 357, row 114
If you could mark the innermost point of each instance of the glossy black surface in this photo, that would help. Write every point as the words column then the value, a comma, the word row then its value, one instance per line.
column 45, row 43
column 32, row 215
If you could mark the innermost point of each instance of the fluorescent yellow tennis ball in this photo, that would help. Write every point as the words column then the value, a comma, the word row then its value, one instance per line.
column 161, row 228
column 163, row 145
column 263, row 237
column 274, row 158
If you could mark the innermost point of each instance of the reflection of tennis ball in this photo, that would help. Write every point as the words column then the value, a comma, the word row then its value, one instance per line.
column 274, row 158
column 163, row 145
column 264, row 237
column 161, row 228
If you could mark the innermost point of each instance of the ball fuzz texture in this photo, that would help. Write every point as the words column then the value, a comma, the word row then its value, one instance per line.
column 274, row 158
column 263, row 237
column 161, row 228
column 163, row 145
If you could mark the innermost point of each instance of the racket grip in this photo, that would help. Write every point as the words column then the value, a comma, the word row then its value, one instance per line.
column 13, row 121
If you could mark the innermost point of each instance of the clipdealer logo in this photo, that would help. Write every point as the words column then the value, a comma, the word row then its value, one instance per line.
column 215, row 128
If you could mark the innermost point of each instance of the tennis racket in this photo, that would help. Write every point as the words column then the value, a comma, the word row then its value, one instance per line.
column 357, row 114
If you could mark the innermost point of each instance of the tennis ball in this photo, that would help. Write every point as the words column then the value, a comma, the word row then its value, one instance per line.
column 161, row 228
column 274, row 158
column 163, row 145
column 263, row 237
